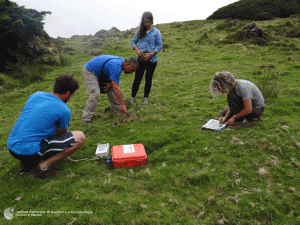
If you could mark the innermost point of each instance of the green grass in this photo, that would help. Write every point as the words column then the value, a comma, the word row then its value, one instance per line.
column 243, row 176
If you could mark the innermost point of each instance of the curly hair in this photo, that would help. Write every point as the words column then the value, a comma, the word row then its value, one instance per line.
column 132, row 61
column 65, row 83
column 222, row 82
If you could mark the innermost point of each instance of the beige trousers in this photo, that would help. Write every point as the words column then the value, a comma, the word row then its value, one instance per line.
column 93, row 89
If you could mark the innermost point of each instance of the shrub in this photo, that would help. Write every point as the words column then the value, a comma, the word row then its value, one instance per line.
column 64, row 59
column 238, row 36
column 94, row 52
column 226, row 41
column 257, row 10
column 259, row 41
column 288, row 24
column 295, row 33
column 49, row 59
column 264, row 16
column 5, row 83
column 268, row 84
column 202, row 38
column 27, row 73
column 223, row 26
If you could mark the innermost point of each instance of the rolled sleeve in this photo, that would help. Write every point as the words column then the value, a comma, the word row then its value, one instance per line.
column 134, row 41
column 158, row 41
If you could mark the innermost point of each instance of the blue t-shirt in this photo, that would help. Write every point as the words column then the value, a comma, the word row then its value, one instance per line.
column 42, row 115
column 113, row 68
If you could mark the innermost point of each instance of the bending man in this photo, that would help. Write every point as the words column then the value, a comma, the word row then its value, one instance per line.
column 102, row 75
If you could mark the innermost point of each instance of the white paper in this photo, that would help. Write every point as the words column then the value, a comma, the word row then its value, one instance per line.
column 128, row 149
column 214, row 125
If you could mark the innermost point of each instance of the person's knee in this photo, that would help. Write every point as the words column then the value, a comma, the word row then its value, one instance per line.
column 94, row 91
column 95, row 95
column 79, row 137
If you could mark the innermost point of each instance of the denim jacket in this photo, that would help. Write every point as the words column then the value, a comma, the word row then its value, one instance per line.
column 152, row 41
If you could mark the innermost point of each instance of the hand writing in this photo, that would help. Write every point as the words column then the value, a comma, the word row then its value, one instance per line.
column 222, row 119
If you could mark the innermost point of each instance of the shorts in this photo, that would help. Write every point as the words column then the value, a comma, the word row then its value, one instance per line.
column 49, row 147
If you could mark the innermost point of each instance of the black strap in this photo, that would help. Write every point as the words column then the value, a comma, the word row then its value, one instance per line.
column 103, row 79
column 103, row 67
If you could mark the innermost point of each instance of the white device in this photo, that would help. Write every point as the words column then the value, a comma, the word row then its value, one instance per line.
column 102, row 150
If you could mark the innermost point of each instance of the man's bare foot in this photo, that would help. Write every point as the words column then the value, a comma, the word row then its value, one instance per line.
column 43, row 166
column 49, row 173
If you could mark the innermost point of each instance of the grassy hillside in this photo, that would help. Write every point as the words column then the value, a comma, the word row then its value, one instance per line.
column 241, row 176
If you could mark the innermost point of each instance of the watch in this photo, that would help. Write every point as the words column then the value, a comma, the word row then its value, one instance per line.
column 234, row 117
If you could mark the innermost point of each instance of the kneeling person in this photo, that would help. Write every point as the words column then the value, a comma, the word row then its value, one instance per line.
column 40, row 136
column 245, row 101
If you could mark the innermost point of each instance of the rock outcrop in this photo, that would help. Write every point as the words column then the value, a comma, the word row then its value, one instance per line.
column 253, row 31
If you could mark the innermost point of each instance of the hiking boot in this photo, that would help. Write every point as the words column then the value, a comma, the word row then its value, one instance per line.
column 145, row 101
column 87, row 121
column 132, row 100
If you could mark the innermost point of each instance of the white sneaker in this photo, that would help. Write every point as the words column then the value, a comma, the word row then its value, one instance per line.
column 145, row 101
column 132, row 100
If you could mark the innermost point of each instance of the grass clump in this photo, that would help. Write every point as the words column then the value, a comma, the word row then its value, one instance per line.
column 24, row 75
column 269, row 85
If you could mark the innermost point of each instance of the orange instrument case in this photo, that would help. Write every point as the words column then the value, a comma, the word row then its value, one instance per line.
column 128, row 155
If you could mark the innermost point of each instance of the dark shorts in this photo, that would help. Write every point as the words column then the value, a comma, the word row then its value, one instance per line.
column 49, row 147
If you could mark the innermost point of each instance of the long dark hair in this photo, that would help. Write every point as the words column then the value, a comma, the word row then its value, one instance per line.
column 142, row 30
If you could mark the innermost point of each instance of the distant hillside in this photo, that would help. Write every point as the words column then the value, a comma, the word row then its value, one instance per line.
column 258, row 10
column 92, row 44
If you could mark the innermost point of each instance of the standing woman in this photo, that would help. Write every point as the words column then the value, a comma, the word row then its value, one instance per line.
column 147, row 43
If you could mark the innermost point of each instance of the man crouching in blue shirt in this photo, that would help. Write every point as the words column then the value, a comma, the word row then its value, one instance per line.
column 40, row 136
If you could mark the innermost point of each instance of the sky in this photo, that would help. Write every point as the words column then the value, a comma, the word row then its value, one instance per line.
column 85, row 17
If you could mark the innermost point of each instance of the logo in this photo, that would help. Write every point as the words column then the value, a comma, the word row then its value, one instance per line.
column 9, row 213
